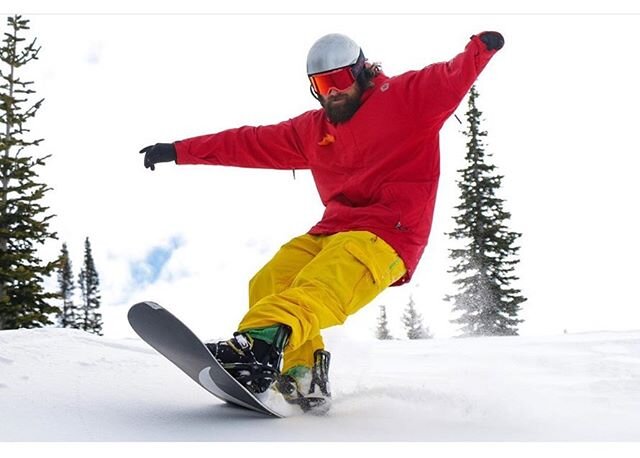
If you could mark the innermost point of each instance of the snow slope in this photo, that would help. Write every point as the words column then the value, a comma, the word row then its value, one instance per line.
column 64, row 385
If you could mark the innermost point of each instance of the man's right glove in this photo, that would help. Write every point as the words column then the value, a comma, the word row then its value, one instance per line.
column 160, row 152
column 492, row 40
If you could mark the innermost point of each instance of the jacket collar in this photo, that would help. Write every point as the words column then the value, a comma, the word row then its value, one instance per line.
column 377, row 82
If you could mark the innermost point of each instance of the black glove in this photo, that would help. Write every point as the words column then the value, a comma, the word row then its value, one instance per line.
column 160, row 152
column 492, row 40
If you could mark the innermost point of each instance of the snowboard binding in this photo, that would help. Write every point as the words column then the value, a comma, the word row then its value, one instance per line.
column 253, row 362
column 310, row 388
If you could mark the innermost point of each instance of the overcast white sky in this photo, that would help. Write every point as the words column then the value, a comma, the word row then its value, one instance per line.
column 560, row 102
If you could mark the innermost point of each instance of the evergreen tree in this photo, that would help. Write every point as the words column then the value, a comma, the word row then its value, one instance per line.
column 382, row 331
column 413, row 323
column 24, row 221
column 485, row 262
column 90, row 318
column 68, row 316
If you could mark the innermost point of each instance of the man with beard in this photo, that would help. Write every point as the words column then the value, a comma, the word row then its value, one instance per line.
column 373, row 150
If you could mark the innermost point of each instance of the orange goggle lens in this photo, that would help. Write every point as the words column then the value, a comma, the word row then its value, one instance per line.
column 339, row 79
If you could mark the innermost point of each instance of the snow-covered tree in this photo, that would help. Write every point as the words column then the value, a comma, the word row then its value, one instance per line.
column 485, row 260
column 90, row 318
column 413, row 322
column 382, row 331
column 24, row 220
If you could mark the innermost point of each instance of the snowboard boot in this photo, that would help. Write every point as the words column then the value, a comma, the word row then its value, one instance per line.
column 308, row 387
column 253, row 357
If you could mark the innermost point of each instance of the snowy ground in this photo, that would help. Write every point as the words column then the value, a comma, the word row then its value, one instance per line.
column 63, row 385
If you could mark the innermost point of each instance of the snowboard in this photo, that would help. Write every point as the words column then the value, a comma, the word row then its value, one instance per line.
column 175, row 341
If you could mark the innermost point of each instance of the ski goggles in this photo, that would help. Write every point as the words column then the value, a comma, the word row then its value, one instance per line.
column 339, row 79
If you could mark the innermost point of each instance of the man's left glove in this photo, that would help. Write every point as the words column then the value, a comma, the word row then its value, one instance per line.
column 492, row 40
column 160, row 152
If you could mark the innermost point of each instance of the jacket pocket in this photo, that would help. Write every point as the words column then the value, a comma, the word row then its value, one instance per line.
column 410, row 203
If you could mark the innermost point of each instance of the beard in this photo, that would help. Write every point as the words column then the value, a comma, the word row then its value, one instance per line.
column 341, row 107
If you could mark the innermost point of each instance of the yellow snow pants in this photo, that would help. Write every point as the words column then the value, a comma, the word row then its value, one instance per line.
column 317, row 281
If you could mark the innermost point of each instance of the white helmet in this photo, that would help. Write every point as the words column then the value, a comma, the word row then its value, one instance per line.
column 334, row 51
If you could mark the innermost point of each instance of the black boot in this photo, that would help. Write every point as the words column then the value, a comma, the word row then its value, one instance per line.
column 309, row 387
column 254, row 362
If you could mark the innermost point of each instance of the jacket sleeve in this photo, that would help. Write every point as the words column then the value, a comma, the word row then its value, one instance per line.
column 442, row 86
column 275, row 146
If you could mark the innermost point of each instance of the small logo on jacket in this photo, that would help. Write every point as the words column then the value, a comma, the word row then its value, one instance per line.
column 327, row 140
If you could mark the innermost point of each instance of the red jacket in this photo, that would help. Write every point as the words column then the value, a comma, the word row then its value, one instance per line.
column 379, row 170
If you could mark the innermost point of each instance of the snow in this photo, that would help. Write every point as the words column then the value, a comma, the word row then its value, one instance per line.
column 67, row 385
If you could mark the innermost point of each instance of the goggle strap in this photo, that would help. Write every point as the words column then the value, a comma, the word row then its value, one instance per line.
column 357, row 68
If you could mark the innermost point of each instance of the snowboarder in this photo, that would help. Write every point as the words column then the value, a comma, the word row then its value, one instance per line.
column 373, row 150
